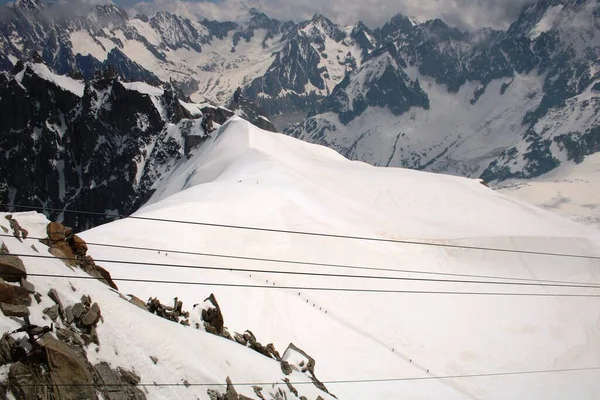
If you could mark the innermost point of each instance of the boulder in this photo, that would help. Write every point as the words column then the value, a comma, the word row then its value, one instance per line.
column 78, row 311
column 86, row 301
column 56, row 231
column 26, row 382
column 286, row 368
column 78, row 246
column 14, row 295
column 102, row 275
column 17, row 230
column 92, row 316
column 52, row 312
column 53, row 294
column 68, row 257
column 118, row 385
column 27, row 285
column 12, row 268
column 94, row 336
column 212, row 315
column 137, row 301
column 10, row 310
column 272, row 352
column 231, row 393
column 69, row 317
column 70, row 373
column 6, row 345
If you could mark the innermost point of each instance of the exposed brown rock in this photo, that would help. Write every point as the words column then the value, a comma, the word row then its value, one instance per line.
column 137, row 301
column 11, row 310
column 14, row 295
column 231, row 393
column 78, row 245
column 52, row 312
column 258, row 392
column 213, row 316
column 6, row 345
column 290, row 387
column 118, row 385
column 286, row 368
column 17, row 230
column 92, row 316
column 86, row 300
column 26, row 383
column 53, row 294
column 78, row 311
column 68, row 255
column 69, row 317
column 27, row 285
column 70, row 372
column 56, row 231
column 12, row 268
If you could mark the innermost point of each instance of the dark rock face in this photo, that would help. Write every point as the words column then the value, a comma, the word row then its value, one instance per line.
column 213, row 316
column 249, row 111
column 12, row 268
column 296, row 66
column 14, row 295
column 386, row 85
column 63, row 148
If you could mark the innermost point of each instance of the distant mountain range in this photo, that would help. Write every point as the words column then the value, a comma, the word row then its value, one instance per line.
column 500, row 105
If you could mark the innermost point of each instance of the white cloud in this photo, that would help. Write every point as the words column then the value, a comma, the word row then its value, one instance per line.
column 465, row 14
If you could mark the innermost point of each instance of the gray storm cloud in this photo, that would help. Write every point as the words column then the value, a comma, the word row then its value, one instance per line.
column 464, row 14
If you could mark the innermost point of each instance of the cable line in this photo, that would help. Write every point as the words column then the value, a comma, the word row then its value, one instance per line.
column 315, row 288
column 345, row 381
column 316, row 274
column 317, row 264
column 307, row 233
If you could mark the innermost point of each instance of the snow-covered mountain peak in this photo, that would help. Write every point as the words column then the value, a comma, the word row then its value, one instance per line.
column 30, row 4
column 244, row 176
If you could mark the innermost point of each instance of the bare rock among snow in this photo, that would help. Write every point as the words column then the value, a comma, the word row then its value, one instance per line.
column 14, row 295
column 11, row 310
column 137, row 302
column 118, row 384
column 18, row 232
column 25, row 382
column 52, row 312
column 56, row 299
column 92, row 316
column 12, row 268
column 27, row 285
column 212, row 316
column 70, row 372
column 73, row 251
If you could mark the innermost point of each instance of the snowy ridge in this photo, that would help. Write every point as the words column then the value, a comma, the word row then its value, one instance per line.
column 244, row 176
column 64, row 82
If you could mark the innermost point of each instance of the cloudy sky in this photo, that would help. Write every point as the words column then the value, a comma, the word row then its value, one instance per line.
column 465, row 14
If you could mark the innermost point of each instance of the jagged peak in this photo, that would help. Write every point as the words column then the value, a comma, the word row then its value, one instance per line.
column 30, row 4
column 107, row 13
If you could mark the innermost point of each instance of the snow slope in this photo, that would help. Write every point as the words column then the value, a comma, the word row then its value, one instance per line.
column 248, row 177
column 127, row 341
column 572, row 190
